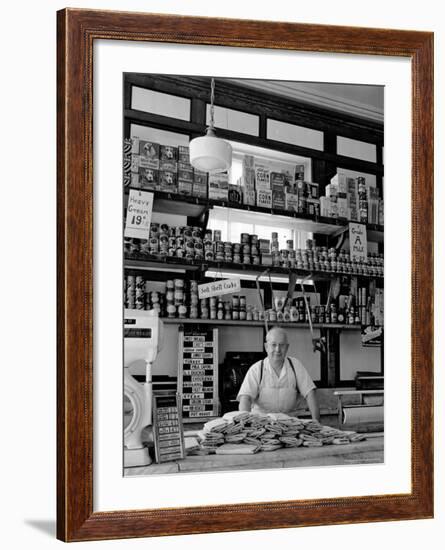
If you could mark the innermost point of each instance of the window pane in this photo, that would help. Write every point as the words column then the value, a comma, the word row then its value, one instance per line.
column 356, row 149
column 236, row 228
column 237, row 121
column 220, row 225
column 295, row 135
column 160, row 104
column 158, row 136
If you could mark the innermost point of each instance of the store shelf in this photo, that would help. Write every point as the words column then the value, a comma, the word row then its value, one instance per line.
column 216, row 322
column 150, row 261
column 172, row 203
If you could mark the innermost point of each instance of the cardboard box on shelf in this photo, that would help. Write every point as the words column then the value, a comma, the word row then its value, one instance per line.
column 291, row 201
column 135, row 145
column 235, row 194
column 248, row 161
column 299, row 172
column 168, row 181
column 219, row 186
column 135, row 181
column 249, row 196
column 313, row 207
column 149, row 154
column 185, row 187
column 148, row 178
column 264, row 198
column 278, row 196
column 342, row 205
column 262, row 177
column 184, row 154
column 168, row 153
column 184, row 172
column 199, row 188
column 135, row 163
column 313, row 190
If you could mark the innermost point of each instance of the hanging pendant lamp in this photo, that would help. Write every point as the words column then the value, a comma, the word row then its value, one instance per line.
column 210, row 153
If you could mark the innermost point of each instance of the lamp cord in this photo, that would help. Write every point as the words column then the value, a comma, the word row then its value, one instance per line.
column 212, row 97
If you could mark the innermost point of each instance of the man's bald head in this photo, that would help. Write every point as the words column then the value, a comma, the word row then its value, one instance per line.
column 277, row 334
column 276, row 346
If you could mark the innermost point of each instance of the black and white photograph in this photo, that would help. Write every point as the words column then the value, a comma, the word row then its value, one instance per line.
column 253, row 274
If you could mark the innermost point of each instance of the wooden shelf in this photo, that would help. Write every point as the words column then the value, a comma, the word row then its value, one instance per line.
column 260, row 324
column 149, row 261
column 172, row 203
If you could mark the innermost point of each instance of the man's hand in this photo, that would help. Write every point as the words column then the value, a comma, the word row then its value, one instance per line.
column 312, row 402
column 245, row 403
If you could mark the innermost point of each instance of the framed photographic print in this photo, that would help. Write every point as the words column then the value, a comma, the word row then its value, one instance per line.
column 245, row 214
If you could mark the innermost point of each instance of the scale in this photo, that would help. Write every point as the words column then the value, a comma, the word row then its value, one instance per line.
column 143, row 332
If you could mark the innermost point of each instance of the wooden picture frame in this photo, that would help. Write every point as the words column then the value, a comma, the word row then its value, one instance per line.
column 77, row 31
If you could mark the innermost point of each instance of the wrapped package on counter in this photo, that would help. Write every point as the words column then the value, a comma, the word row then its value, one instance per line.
column 241, row 449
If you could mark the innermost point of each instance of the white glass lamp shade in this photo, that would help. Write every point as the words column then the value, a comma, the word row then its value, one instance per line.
column 210, row 154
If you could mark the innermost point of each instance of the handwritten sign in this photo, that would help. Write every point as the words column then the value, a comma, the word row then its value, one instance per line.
column 358, row 243
column 218, row 288
column 137, row 223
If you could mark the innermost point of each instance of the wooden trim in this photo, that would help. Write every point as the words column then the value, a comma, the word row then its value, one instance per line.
column 77, row 30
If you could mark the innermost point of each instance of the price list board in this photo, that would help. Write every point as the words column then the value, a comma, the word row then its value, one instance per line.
column 198, row 373
column 167, row 427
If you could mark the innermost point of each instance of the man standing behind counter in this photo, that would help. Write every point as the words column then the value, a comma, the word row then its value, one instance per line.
column 272, row 385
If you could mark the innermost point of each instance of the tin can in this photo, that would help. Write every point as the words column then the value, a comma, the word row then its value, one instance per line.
column 217, row 235
column 274, row 236
column 236, row 248
column 163, row 229
column 242, row 314
column 245, row 238
column 208, row 234
column 246, row 259
column 253, row 239
column 284, row 254
column 182, row 311
column 254, row 251
column 290, row 244
column 193, row 312
column 208, row 245
column 219, row 246
column 188, row 233
column 154, row 229
column 242, row 302
column 204, row 313
column 171, row 311
column 208, row 255
column 255, row 260
column 235, row 315
column 213, row 302
column 228, row 258
column 237, row 258
column 140, row 282
column 246, row 249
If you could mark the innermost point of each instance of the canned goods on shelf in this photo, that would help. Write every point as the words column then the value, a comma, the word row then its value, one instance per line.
column 245, row 238
column 217, row 235
column 253, row 239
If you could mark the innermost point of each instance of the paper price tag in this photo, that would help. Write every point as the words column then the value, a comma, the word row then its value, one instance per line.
column 139, row 208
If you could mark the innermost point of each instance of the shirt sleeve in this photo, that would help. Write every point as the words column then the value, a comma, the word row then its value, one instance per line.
column 250, row 385
column 304, row 381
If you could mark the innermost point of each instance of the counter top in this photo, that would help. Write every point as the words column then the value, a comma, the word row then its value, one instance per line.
column 362, row 452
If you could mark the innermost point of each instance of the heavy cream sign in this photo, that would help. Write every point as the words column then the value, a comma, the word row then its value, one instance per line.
column 358, row 243
column 140, row 205
column 218, row 288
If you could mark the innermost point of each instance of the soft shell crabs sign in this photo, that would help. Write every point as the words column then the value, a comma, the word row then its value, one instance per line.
column 358, row 243
column 218, row 288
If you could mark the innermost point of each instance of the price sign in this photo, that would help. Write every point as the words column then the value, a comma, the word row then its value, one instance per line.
column 198, row 373
column 137, row 223
column 168, row 433
column 218, row 288
column 358, row 243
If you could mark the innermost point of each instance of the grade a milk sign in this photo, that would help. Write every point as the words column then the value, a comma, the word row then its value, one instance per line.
column 358, row 243
column 140, row 205
column 218, row 288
